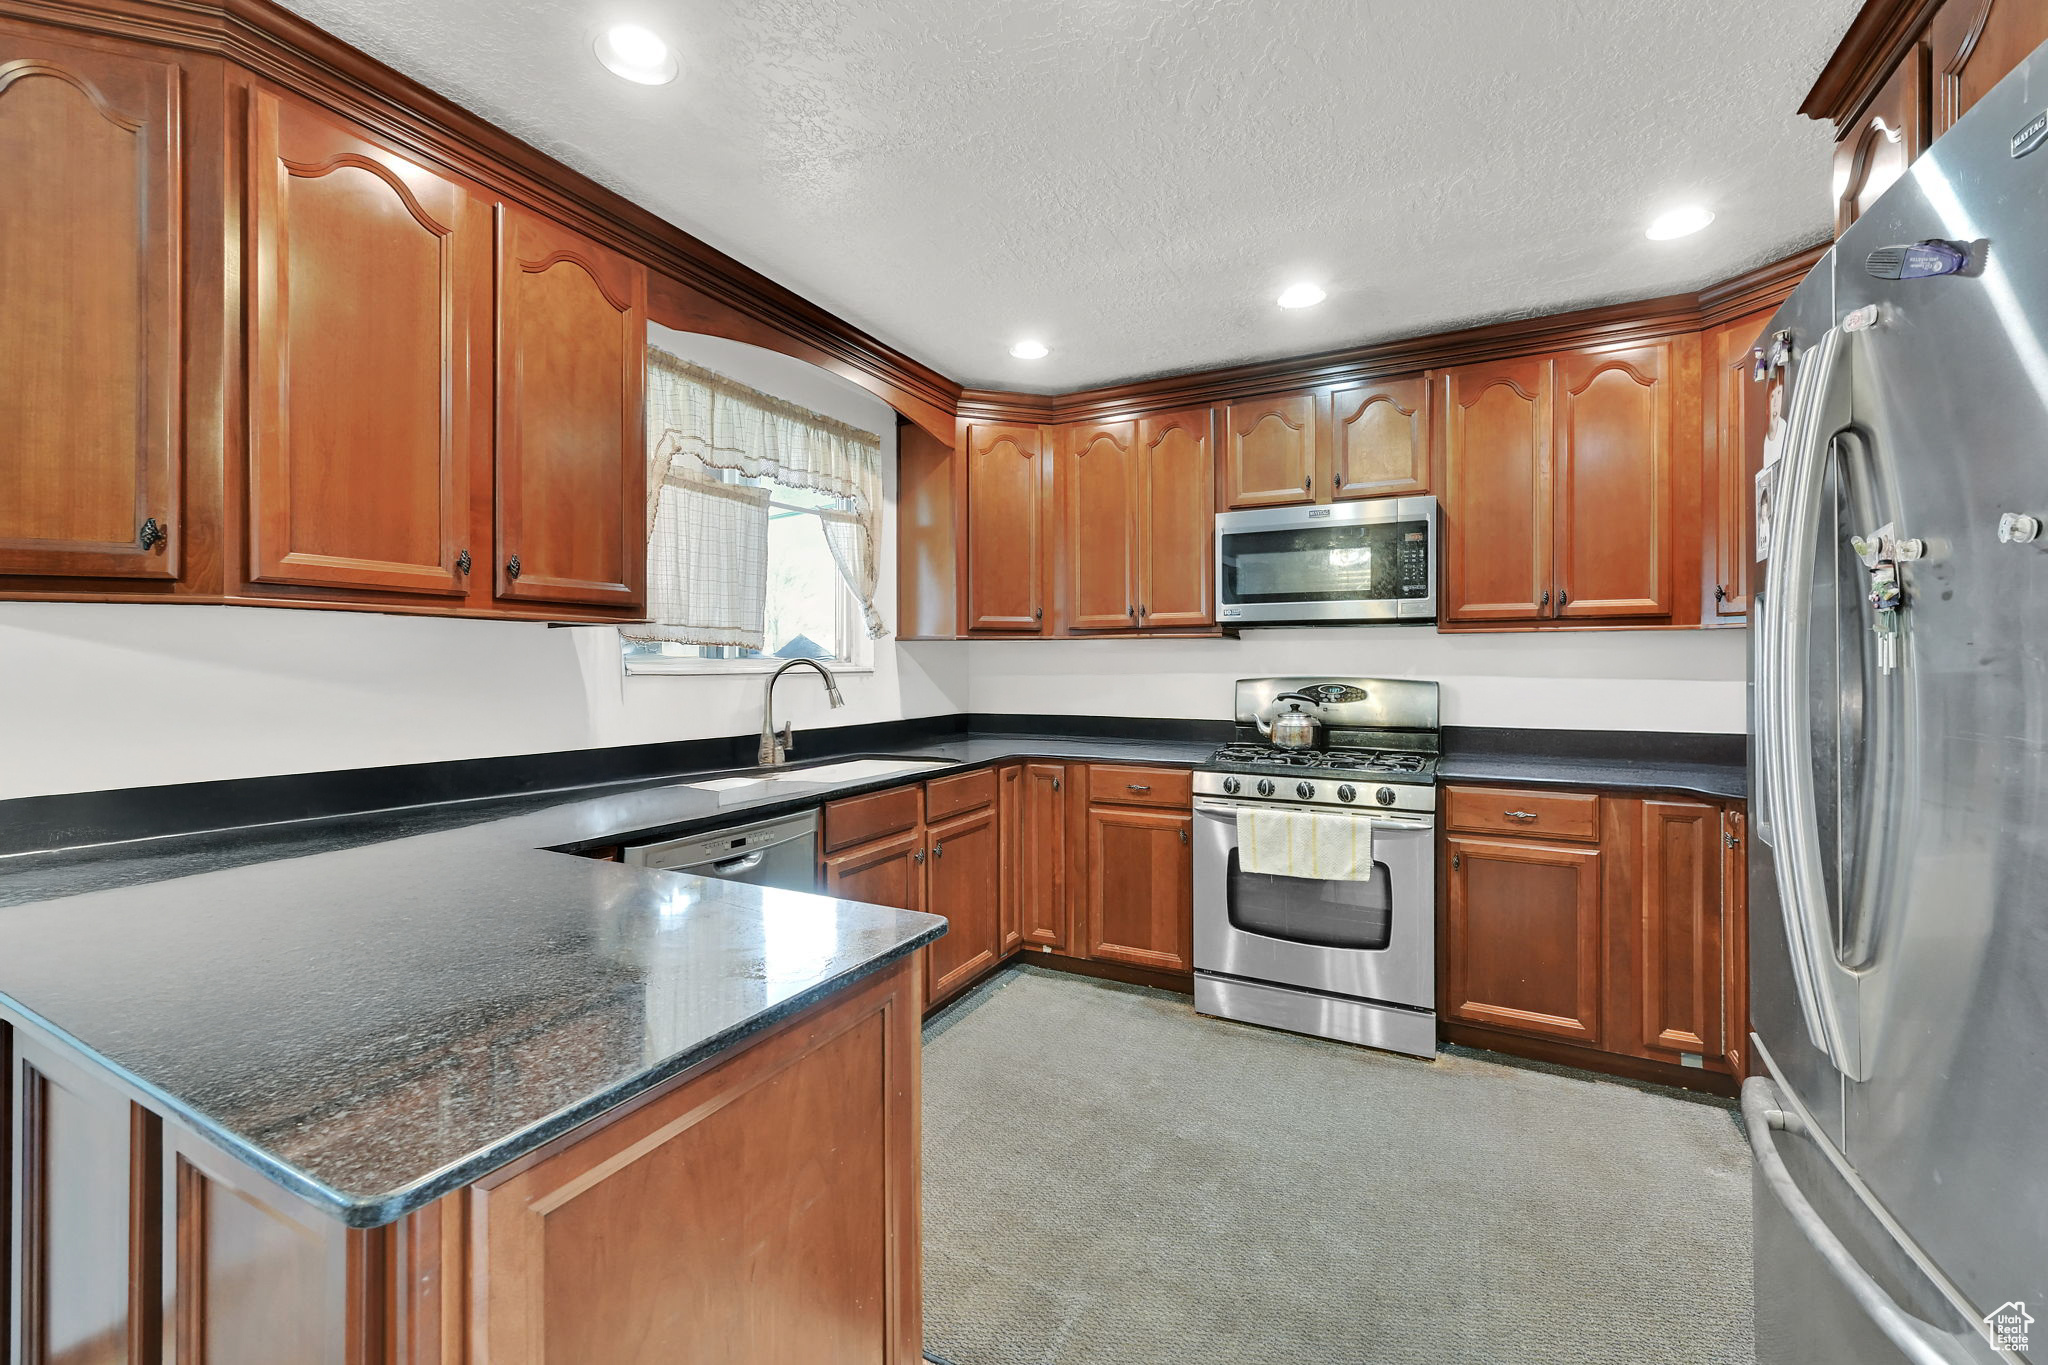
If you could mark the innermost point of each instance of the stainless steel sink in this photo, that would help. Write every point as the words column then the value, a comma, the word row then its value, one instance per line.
column 846, row 770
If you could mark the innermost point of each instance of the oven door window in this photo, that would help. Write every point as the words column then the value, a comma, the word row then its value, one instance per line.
column 1343, row 563
column 1321, row 914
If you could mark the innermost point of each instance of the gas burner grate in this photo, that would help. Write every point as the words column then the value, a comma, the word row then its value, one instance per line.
column 1320, row 760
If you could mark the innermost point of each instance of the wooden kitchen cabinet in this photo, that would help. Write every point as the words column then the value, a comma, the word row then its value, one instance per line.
column 91, row 365
column 1496, row 498
column 572, row 443
column 1611, row 483
column 1040, row 870
column 1104, row 492
column 1140, row 891
column 1269, row 451
column 1611, row 932
column 1380, row 438
column 1889, row 136
column 1973, row 45
column 1736, row 417
column 1009, row 489
column 1522, row 947
column 887, row 871
column 369, row 280
column 1177, row 520
column 963, row 882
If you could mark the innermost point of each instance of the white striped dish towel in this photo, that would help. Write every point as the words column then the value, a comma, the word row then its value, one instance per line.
column 1304, row 843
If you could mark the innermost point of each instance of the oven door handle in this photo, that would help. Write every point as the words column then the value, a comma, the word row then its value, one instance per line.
column 1228, row 810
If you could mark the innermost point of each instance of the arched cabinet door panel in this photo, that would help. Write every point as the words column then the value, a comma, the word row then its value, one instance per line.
column 1177, row 538
column 368, row 280
column 1976, row 43
column 572, row 461
column 1381, row 433
column 1104, row 489
column 1613, row 462
column 1496, row 502
column 1270, row 451
column 1009, row 485
column 90, row 368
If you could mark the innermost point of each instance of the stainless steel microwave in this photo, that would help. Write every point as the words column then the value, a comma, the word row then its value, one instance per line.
column 1371, row 560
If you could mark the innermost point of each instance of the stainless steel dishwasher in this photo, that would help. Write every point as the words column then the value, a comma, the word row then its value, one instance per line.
column 780, row 852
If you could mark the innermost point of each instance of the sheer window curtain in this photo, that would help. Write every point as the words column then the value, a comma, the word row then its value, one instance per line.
column 708, row 539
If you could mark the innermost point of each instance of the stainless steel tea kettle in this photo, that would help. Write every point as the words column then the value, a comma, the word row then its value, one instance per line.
column 1293, row 728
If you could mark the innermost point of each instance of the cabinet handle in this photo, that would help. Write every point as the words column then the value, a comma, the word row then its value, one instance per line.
column 1308, row 483
column 939, row 849
column 1055, row 784
column 918, row 857
column 1544, row 600
column 152, row 533
column 1457, row 861
column 1038, row 613
column 1130, row 611
column 1563, row 597
column 463, row 562
column 512, row 567
column 1144, row 611
column 1336, row 482
column 1183, row 835
column 1523, row 815
column 1136, row 787
column 1720, row 592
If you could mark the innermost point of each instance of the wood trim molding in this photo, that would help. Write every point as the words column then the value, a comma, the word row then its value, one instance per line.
column 1877, row 38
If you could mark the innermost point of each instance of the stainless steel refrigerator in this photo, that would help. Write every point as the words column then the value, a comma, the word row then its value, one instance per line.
column 1899, row 771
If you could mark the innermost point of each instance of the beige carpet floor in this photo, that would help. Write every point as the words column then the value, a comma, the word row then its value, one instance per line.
column 1111, row 1179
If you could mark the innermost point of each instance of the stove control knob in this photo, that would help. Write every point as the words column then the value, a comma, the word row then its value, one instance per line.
column 1385, row 796
column 1265, row 786
column 1230, row 786
column 1305, row 790
column 1347, row 792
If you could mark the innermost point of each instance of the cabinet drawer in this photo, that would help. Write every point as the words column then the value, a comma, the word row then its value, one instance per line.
column 858, row 819
column 944, row 796
column 1505, row 810
column 1172, row 787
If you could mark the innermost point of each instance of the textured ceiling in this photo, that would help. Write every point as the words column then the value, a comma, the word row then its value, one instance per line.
column 1132, row 181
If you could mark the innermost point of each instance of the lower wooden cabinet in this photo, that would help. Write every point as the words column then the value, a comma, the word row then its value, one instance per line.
column 963, row 882
column 621, row 1242
column 1140, row 887
column 1039, row 872
column 1628, row 938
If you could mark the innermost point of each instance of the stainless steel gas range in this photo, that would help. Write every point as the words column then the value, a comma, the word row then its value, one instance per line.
column 1351, row 960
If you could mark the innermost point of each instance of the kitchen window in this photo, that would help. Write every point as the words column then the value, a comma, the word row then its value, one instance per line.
column 763, row 522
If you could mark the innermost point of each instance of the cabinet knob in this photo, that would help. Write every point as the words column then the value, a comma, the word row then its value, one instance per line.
column 1563, row 597
column 463, row 562
column 918, row 857
column 512, row 567
column 1720, row 592
column 1130, row 611
column 1055, row 784
column 1544, row 600
column 1183, row 835
column 152, row 533
column 1144, row 611
column 1336, row 482
column 1308, row 483
column 939, row 848
column 1457, row 861
column 1038, row 613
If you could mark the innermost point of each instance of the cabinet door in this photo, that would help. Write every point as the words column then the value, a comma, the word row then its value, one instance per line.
column 1612, row 484
column 1735, row 940
column 369, row 280
column 1102, row 491
column 1522, row 937
column 962, row 882
column 1975, row 44
column 1270, row 451
column 1496, row 506
column 1681, row 918
column 886, row 872
column 1874, row 152
column 1042, row 857
column 1008, row 486
column 89, row 296
column 1736, row 420
column 1381, row 437
column 1010, row 808
column 572, row 450
column 1177, row 532
column 1140, row 887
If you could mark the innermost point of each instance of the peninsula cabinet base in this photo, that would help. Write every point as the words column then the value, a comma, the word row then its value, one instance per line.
column 760, row 1209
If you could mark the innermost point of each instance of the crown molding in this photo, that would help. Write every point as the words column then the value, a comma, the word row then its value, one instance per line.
column 1878, row 37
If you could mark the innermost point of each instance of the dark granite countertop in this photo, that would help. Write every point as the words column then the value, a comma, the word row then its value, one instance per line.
column 374, row 1010
column 1722, row 780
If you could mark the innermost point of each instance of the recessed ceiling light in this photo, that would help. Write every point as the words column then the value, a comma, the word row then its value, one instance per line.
column 1303, row 295
column 1679, row 223
column 1030, row 350
column 636, row 53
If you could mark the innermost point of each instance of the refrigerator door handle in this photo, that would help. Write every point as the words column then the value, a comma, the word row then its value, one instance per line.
column 1826, row 987
column 1762, row 1116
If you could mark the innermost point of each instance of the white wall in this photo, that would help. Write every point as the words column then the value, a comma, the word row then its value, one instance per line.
column 102, row 695
column 1575, row 680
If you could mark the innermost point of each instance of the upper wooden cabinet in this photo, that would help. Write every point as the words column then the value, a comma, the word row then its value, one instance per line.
column 1611, row 481
column 369, row 310
column 1177, row 521
column 572, row 458
column 1876, row 150
column 1269, row 457
column 1735, row 421
column 1380, row 439
column 1009, row 487
column 1973, row 45
column 1496, row 498
column 90, row 295
column 1104, row 491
